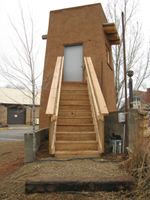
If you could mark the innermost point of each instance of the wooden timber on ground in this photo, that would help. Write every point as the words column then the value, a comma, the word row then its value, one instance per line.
column 79, row 184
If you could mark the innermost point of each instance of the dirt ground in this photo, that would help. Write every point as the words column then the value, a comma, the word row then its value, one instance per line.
column 10, row 153
column 13, row 173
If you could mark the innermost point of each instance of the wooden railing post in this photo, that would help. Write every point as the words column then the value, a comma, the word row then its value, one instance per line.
column 50, row 134
column 101, row 132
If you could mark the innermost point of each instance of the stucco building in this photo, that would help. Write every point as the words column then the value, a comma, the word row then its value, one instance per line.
column 81, row 36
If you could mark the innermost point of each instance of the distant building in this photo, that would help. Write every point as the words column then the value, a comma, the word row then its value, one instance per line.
column 15, row 106
column 141, row 100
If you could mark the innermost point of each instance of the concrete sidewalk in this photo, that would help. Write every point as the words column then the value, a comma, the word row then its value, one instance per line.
column 15, row 132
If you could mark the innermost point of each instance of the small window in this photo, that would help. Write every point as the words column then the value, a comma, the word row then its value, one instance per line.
column 107, row 55
column 139, row 107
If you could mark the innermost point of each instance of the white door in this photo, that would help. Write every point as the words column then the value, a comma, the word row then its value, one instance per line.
column 73, row 63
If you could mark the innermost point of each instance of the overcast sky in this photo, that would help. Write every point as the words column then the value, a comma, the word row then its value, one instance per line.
column 40, row 10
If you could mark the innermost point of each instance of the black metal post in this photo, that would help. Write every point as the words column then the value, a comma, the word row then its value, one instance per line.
column 125, row 83
column 130, row 74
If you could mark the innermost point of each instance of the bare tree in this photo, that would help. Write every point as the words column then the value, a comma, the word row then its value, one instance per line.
column 135, row 53
column 22, row 72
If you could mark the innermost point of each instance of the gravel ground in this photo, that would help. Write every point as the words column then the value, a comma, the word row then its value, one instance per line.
column 74, row 169
column 13, row 177
column 13, row 186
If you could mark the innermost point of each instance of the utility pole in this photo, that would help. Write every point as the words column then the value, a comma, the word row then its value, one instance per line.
column 125, row 82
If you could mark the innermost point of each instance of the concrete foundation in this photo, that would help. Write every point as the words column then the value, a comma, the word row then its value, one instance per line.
column 40, row 136
column 112, row 125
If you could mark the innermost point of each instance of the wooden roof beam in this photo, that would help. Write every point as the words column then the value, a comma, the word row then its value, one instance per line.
column 113, row 36
column 112, row 33
column 115, row 42
column 44, row 37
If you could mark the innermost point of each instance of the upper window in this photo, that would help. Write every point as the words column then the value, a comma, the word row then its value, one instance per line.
column 108, row 56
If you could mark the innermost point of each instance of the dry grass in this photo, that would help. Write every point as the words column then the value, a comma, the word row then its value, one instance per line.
column 138, row 165
column 143, row 170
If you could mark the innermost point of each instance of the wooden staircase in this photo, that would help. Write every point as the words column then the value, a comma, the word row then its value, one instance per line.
column 76, row 113
column 75, row 135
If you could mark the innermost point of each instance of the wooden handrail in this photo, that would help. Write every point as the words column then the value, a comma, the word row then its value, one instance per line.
column 98, row 92
column 57, row 107
column 99, row 108
column 97, row 95
column 53, row 102
column 92, row 90
column 54, row 88
column 59, row 88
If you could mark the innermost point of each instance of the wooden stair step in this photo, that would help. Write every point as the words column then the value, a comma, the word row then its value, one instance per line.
column 74, row 83
column 75, row 121
column 76, row 154
column 73, row 96
column 75, row 113
column 74, row 107
column 75, row 136
column 76, row 145
column 75, row 117
column 75, row 128
column 74, row 87
column 86, row 132
column 75, row 92
column 74, row 102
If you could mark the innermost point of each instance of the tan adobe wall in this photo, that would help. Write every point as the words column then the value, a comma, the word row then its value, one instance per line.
column 79, row 25
column 3, row 114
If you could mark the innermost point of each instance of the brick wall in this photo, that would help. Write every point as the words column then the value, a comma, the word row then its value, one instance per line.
column 148, row 95
column 3, row 114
